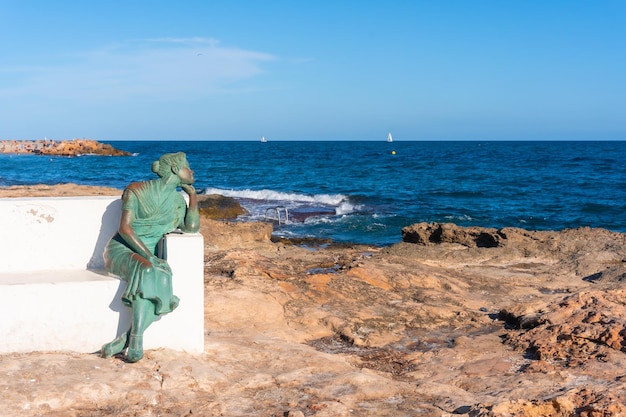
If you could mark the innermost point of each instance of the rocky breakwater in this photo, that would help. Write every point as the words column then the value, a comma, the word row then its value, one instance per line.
column 73, row 147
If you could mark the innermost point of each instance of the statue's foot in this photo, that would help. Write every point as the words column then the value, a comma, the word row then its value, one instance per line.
column 115, row 347
column 135, row 348
column 174, row 302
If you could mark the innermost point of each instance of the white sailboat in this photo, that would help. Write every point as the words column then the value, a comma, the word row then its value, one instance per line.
column 263, row 139
column 389, row 138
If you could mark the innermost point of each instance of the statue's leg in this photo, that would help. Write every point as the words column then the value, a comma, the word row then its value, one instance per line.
column 116, row 346
column 143, row 316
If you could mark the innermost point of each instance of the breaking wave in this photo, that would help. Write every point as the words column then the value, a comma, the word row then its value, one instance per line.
column 278, row 196
column 301, row 208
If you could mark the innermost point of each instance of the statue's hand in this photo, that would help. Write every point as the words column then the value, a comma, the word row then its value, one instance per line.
column 188, row 188
column 160, row 264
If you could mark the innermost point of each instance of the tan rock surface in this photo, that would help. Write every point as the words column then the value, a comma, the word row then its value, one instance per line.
column 73, row 147
column 58, row 190
column 531, row 326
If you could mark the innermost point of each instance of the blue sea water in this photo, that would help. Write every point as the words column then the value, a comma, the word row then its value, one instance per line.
column 365, row 192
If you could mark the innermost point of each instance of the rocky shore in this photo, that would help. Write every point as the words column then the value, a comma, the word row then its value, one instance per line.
column 449, row 321
column 73, row 147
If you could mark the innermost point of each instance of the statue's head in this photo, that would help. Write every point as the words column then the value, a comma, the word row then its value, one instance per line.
column 174, row 164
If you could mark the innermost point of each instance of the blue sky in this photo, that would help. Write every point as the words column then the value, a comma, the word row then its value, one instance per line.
column 306, row 70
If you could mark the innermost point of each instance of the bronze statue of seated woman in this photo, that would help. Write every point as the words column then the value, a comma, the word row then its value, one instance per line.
column 150, row 210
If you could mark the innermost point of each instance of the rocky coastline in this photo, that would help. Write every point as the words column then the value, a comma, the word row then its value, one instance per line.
column 75, row 147
column 449, row 321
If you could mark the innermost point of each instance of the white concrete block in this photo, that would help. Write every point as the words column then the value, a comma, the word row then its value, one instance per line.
column 180, row 329
column 49, row 300
column 76, row 315
column 56, row 233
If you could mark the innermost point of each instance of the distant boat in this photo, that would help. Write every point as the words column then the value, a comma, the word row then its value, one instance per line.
column 263, row 139
column 389, row 138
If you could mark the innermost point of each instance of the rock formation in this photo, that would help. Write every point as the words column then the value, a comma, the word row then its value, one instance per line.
column 215, row 206
column 60, row 148
column 468, row 321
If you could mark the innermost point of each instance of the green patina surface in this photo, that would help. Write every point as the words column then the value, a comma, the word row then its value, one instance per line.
column 137, row 254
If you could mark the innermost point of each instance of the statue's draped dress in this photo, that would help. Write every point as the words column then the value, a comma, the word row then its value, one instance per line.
column 156, row 213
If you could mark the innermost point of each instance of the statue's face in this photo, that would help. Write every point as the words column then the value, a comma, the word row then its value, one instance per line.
column 185, row 174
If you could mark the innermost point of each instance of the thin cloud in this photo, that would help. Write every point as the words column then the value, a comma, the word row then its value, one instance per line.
column 161, row 68
column 186, row 41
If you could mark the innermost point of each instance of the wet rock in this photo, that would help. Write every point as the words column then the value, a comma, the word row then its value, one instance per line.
column 215, row 206
column 436, row 233
column 302, row 214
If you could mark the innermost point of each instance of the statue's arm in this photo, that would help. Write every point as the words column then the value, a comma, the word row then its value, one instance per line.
column 191, row 223
column 130, row 202
column 127, row 233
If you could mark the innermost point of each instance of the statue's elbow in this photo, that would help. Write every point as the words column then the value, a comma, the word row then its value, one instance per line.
column 191, row 227
column 192, row 222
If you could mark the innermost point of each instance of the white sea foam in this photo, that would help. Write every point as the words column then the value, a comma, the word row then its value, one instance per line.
column 271, row 195
column 462, row 217
column 319, row 220
column 346, row 207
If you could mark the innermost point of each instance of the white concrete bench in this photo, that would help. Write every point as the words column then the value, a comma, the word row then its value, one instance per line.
column 55, row 294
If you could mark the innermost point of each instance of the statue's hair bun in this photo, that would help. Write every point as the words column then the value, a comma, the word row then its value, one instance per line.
column 155, row 167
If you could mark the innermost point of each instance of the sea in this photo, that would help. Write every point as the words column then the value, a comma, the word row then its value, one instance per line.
column 365, row 192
